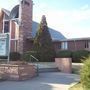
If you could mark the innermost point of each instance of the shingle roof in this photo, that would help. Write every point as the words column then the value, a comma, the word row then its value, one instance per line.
column 54, row 34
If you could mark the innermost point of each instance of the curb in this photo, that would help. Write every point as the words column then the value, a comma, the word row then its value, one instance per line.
column 71, row 85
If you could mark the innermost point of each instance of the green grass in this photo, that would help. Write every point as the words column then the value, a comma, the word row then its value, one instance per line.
column 77, row 87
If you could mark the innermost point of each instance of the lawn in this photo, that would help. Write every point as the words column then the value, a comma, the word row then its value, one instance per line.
column 76, row 87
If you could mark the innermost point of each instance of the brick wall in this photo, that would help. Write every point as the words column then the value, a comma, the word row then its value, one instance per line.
column 17, row 72
column 25, row 29
column 57, row 46
column 72, row 45
column 76, row 45
column 1, row 20
column 13, row 26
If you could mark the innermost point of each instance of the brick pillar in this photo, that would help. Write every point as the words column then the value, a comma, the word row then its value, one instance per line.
column 25, row 29
column 1, row 20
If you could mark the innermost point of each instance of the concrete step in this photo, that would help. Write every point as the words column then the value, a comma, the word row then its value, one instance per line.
column 41, row 70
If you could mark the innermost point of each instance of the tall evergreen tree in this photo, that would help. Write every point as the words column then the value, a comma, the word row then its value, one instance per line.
column 43, row 42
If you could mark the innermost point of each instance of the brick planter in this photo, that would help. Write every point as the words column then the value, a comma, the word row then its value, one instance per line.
column 17, row 72
column 64, row 64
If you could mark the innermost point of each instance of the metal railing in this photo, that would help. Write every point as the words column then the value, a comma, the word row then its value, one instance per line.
column 36, row 63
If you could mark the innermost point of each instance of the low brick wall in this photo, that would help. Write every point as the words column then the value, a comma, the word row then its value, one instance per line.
column 64, row 64
column 17, row 72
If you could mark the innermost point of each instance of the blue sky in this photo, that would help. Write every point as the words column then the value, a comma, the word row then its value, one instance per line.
column 70, row 17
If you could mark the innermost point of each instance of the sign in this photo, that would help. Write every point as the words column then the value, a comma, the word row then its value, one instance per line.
column 4, row 44
column 2, row 47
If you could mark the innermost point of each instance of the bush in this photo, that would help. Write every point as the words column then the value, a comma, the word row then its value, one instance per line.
column 43, row 43
column 85, row 74
column 15, row 56
column 64, row 54
column 3, row 57
column 27, row 56
column 78, row 55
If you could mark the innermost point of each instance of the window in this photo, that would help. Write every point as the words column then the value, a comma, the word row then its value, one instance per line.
column 59, row 46
column 64, row 45
column 87, row 44
column 17, row 14
column 6, row 26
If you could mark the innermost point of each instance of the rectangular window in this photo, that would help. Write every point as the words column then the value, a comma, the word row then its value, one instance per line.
column 59, row 46
column 64, row 45
column 6, row 26
column 87, row 44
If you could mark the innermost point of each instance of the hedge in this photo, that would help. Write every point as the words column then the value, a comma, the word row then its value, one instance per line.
column 77, row 56
column 63, row 54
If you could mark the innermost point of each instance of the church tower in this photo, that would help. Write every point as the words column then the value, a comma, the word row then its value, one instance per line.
column 25, row 23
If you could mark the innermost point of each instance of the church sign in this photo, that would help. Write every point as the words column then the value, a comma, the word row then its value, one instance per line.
column 4, row 44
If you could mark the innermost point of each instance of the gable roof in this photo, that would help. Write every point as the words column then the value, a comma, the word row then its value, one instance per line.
column 7, row 12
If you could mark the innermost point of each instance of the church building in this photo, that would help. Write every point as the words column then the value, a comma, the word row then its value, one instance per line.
column 22, row 29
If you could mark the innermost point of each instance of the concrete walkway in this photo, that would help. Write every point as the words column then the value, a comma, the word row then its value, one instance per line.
column 45, row 81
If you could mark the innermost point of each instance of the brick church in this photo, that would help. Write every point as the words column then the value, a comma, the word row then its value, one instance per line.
column 18, row 22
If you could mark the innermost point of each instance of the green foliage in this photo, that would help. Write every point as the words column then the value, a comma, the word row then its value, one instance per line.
column 15, row 56
column 85, row 74
column 64, row 54
column 43, row 43
column 27, row 56
column 78, row 55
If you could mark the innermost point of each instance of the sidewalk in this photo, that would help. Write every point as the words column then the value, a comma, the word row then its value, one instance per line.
column 45, row 81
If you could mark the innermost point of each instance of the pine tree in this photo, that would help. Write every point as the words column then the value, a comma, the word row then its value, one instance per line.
column 43, row 43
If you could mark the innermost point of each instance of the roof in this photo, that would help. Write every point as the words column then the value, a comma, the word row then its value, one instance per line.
column 14, row 12
column 86, row 38
column 73, row 39
column 54, row 34
column 7, row 12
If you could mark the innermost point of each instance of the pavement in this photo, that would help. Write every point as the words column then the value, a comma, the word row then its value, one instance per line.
column 45, row 81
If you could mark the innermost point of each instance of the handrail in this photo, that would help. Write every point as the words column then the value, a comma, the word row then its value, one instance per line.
column 36, row 63
column 34, row 58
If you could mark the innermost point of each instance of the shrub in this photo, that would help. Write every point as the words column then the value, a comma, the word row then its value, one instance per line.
column 64, row 54
column 14, row 56
column 85, row 74
column 27, row 56
column 78, row 55
column 43, row 44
